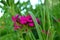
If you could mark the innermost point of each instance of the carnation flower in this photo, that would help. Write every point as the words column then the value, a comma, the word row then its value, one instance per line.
column 23, row 20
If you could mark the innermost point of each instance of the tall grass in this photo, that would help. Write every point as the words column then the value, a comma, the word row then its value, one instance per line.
column 48, row 29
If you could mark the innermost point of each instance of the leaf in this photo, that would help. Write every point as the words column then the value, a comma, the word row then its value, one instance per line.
column 36, row 25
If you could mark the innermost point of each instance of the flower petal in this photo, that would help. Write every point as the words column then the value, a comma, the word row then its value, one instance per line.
column 13, row 19
column 31, row 24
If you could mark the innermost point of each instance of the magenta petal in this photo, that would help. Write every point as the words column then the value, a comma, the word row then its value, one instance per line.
column 23, row 22
column 29, row 18
column 22, row 18
column 13, row 19
column 31, row 24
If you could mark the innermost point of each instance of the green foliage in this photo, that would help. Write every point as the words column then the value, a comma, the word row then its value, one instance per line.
column 49, row 16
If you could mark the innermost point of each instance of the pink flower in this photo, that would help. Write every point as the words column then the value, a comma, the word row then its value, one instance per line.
column 13, row 19
column 31, row 24
column 29, row 18
column 22, row 20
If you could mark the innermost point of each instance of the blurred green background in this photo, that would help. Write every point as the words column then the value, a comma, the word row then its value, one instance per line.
column 9, row 8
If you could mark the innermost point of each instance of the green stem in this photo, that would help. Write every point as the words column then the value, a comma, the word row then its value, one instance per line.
column 48, row 18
